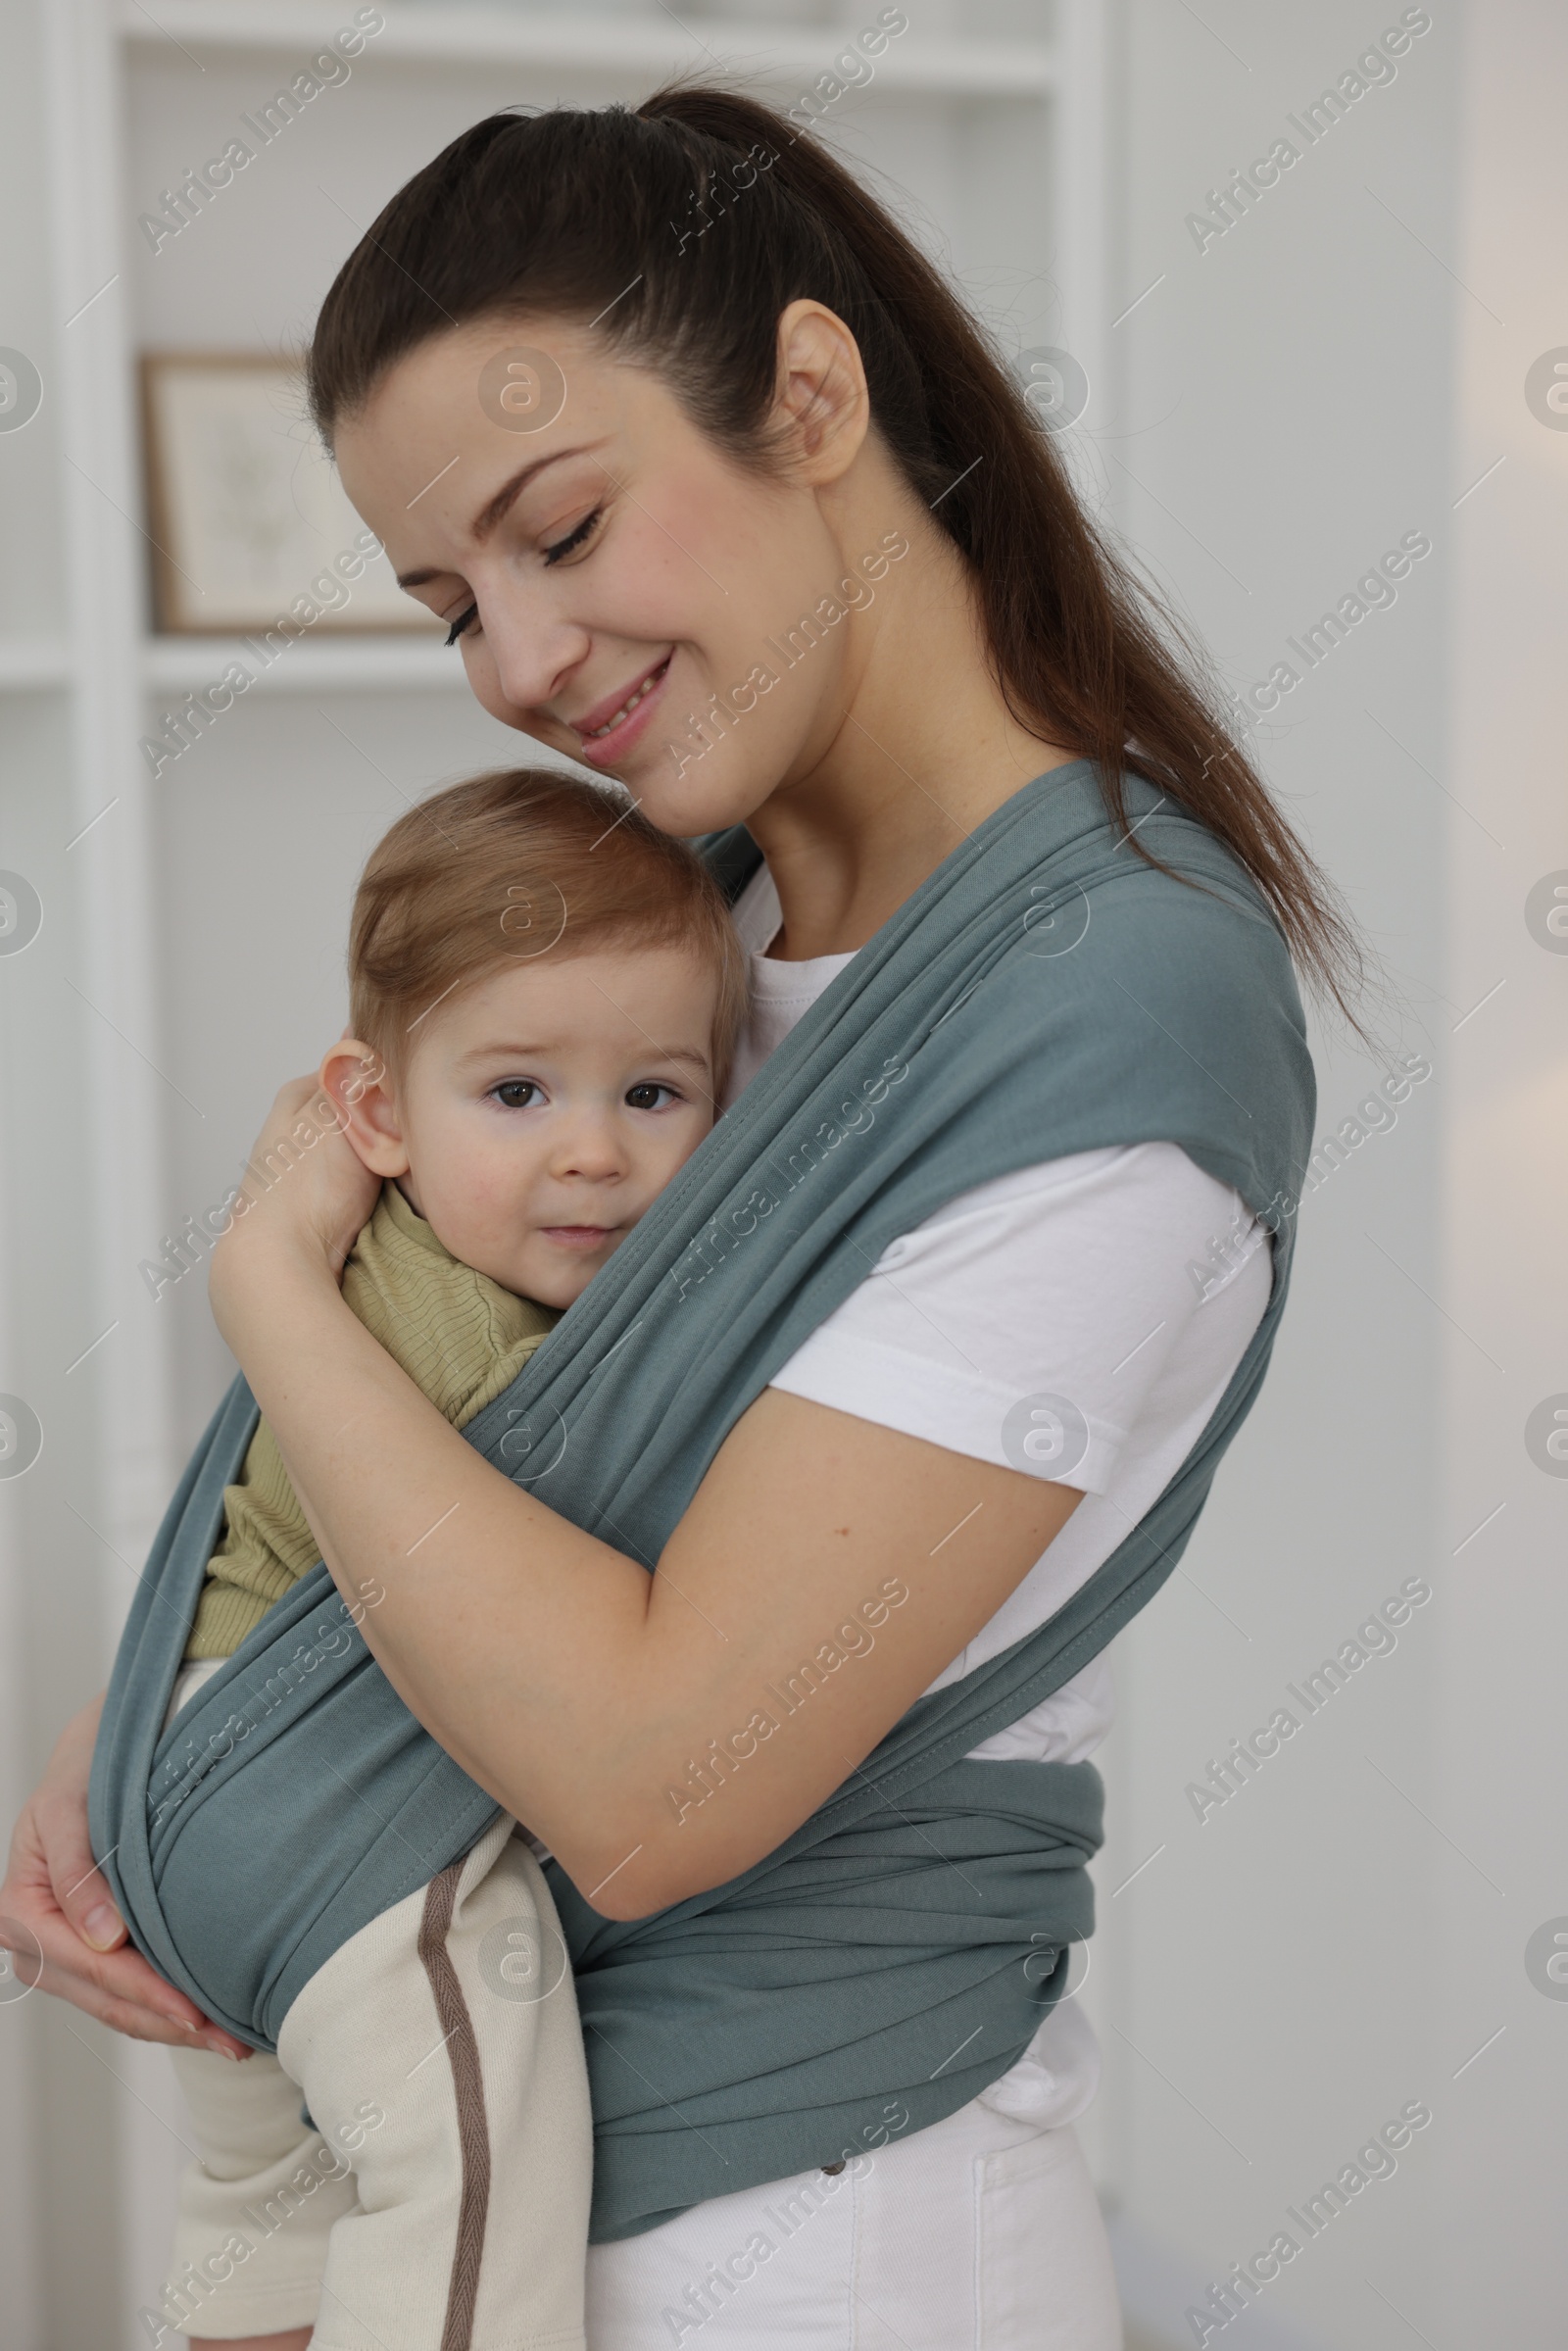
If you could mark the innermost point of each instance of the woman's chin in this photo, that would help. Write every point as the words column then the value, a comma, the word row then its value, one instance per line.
column 713, row 791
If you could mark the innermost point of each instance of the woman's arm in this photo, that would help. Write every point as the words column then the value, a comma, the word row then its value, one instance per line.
column 58, row 1919
column 581, row 1692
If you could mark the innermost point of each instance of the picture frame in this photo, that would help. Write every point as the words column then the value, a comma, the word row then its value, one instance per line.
column 245, row 509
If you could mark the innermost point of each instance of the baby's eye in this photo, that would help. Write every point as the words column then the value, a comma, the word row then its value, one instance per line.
column 517, row 1094
column 646, row 1097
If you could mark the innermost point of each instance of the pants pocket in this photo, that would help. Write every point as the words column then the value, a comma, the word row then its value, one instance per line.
column 1044, row 2280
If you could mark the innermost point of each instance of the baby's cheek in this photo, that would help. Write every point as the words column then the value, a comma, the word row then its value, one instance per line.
column 476, row 1236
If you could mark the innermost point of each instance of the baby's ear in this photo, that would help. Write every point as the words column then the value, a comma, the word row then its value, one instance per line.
column 357, row 1084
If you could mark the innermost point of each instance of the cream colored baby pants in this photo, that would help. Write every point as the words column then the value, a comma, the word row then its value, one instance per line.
column 439, row 2201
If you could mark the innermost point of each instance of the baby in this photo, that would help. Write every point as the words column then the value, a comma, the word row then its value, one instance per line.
column 545, row 995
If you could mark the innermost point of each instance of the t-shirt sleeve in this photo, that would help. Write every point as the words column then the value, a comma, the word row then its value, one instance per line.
column 1029, row 1321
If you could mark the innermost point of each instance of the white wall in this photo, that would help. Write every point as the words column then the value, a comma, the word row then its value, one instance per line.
column 1349, row 1928
column 1500, row 2271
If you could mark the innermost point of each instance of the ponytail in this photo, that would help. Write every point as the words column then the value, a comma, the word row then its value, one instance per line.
column 699, row 218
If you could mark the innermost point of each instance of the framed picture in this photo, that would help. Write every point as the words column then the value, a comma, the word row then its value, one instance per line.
column 245, row 506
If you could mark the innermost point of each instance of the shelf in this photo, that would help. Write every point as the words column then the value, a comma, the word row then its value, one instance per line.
column 614, row 43
column 32, row 665
column 391, row 663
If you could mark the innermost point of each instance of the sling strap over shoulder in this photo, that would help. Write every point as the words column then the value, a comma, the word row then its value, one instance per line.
column 1045, row 990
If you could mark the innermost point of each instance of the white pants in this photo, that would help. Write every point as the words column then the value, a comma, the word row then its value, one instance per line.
column 440, row 2202
column 981, row 2233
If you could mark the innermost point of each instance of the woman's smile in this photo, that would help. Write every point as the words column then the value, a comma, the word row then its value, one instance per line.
column 612, row 727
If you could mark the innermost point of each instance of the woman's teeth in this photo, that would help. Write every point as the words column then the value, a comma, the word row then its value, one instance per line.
column 630, row 703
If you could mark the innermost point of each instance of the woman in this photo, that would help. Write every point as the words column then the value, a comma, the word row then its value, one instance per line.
column 722, row 494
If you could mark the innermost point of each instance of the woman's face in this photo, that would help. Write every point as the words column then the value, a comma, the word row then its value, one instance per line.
column 612, row 551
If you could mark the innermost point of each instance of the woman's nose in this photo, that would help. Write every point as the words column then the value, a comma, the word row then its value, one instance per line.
column 533, row 650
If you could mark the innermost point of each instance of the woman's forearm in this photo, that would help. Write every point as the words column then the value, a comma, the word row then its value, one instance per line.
column 517, row 1640
column 585, row 1693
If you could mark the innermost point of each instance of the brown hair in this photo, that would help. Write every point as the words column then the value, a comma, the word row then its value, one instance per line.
column 521, row 864
column 699, row 218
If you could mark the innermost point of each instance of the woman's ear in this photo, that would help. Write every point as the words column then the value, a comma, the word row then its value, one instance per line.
column 821, row 389
column 358, row 1084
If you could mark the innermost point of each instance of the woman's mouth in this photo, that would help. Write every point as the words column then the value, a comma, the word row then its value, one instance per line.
column 613, row 737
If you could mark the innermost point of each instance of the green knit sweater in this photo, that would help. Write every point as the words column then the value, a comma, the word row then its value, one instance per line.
column 457, row 1335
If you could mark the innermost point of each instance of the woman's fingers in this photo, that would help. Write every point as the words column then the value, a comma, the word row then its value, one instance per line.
column 53, row 1832
column 304, row 1185
column 83, row 1898
column 59, row 1922
column 49, row 1954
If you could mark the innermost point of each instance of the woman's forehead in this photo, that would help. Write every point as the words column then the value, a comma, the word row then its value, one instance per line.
column 461, row 424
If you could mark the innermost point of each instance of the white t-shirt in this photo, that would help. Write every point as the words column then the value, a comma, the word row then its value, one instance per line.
column 1121, row 1284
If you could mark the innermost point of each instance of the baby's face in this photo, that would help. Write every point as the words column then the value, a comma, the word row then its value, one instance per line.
column 542, row 1110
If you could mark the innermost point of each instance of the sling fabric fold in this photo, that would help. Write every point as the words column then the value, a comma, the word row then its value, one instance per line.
column 1045, row 990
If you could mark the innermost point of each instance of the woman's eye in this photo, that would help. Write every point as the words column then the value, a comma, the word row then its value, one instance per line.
column 516, row 1094
column 646, row 1097
column 459, row 626
column 573, row 538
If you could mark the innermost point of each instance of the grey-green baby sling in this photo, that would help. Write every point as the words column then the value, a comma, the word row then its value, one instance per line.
column 1045, row 990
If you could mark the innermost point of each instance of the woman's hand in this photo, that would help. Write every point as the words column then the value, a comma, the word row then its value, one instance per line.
column 305, row 1196
column 58, row 1918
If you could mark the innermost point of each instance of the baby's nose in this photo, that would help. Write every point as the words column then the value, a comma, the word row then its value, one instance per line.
column 592, row 1150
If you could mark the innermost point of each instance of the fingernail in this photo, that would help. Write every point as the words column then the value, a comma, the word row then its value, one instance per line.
column 101, row 1927
column 184, row 2023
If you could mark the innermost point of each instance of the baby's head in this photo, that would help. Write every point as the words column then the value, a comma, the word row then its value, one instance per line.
column 545, row 995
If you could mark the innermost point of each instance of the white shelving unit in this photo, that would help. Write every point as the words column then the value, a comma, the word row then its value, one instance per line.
column 946, row 61
column 189, row 919
column 32, row 665
column 174, row 665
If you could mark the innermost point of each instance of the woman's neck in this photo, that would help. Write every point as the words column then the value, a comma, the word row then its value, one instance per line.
column 924, row 751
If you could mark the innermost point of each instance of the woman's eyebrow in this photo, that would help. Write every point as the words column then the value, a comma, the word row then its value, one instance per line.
column 489, row 515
